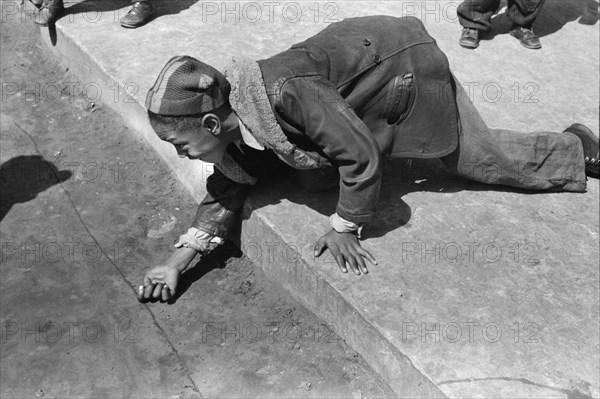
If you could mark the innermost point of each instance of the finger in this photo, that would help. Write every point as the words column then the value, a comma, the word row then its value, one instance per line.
column 348, row 255
column 352, row 262
column 140, row 293
column 166, row 294
column 157, row 290
column 338, row 258
column 148, row 289
column 341, row 263
column 367, row 255
column 147, row 280
column 319, row 247
column 360, row 261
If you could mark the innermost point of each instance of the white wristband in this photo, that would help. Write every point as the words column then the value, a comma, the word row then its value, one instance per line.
column 342, row 225
column 199, row 240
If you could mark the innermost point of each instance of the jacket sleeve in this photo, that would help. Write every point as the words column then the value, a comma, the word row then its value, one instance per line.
column 314, row 105
column 218, row 211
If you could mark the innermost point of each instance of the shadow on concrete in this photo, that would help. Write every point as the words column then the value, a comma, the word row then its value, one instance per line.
column 557, row 13
column 201, row 266
column 93, row 7
column 404, row 176
column 22, row 178
column 94, row 10
column 400, row 178
column 215, row 259
column 554, row 15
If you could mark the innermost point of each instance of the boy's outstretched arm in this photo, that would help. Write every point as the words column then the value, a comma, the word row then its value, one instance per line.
column 215, row 217
column 346, row 250
column 160, row 282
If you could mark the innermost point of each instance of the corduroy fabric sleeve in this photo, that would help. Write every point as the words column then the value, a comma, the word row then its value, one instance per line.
column 314, row 105
column 218, row 211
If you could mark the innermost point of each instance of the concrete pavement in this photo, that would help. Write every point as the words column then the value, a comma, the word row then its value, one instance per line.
column 85, row 209
column 480, row 291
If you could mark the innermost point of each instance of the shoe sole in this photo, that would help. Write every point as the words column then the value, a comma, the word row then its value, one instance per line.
column 133, row 26
column 51, row 23
column 583, row 133
column 468, row 45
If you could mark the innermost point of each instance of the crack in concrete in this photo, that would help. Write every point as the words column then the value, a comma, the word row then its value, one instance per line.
column 571, row 393
column 133, row 288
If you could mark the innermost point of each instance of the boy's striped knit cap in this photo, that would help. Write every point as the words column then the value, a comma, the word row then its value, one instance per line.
column 186, row 86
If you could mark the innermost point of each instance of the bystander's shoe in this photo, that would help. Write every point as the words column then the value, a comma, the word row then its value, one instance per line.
column 527, row 37
column 138, row 15
column 591, row 148
column 469, row 38
column 49, row 12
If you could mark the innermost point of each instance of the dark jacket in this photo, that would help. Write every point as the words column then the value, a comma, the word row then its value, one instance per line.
column 360, row 89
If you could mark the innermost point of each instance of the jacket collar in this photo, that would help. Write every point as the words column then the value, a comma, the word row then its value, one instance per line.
column 248, row 138
column 250, row 102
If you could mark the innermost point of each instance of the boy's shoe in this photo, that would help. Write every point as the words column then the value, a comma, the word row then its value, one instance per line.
column 49, row 12
column 138, row 15
column 469, row 38
column 37, row 3
column 526, row 37
column 591, row 148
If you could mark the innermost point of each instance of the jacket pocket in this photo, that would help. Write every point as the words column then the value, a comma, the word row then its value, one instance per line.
column 400, row 98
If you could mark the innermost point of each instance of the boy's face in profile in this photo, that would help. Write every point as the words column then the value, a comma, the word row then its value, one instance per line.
column 194, row 143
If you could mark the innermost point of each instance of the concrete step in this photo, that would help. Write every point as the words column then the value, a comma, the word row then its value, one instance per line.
column 479, row 291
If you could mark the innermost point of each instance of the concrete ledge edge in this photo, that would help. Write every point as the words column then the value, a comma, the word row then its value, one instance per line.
column 301, row 279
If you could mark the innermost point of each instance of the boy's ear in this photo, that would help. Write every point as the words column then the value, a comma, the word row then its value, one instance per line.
column 212, row 123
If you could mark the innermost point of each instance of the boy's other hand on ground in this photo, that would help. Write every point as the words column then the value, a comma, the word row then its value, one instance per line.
column 159, row 283
column 346, row 250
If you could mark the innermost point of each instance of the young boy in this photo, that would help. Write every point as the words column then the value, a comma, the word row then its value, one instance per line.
column 361, row 90
column 476, row 15
column 51, row 10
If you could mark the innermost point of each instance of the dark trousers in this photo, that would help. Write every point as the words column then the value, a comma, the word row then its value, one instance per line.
column 536, row 161
column 477, row 14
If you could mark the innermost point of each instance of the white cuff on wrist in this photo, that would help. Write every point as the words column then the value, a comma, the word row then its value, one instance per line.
column 342, row 225
column 199, row 240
